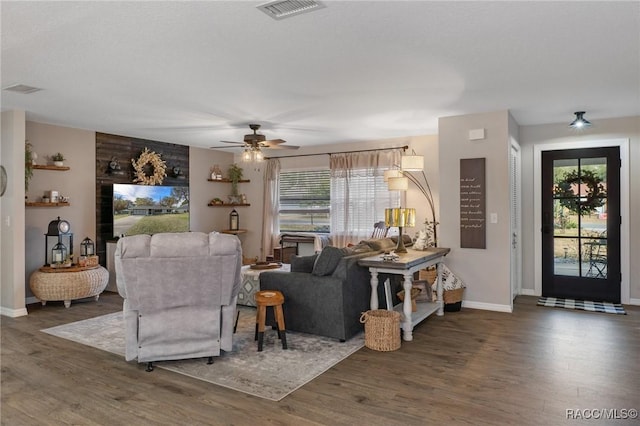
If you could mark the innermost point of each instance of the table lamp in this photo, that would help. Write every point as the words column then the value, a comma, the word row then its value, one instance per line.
column 400, row 217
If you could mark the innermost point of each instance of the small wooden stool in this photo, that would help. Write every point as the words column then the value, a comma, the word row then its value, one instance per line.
column 275, row 299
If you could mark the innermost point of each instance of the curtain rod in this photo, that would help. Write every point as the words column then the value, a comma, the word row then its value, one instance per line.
column 404, row 148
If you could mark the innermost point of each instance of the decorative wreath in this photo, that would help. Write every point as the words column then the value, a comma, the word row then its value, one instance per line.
column 566, row 194
column 158, row 165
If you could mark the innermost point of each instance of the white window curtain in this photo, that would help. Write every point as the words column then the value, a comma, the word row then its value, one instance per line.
column 270, row 222
column 359, row 194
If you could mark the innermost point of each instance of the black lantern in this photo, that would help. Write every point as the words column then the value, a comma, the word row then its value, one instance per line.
column 58, row 232
column 58, row 253
column 234, row 220
column 87, row 248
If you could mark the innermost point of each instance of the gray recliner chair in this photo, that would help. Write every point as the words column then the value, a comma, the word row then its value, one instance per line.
column 180, row 292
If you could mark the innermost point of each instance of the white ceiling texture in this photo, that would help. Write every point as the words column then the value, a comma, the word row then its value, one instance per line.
column 195, row 73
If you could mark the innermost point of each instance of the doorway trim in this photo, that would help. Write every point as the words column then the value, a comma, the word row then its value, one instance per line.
column 624, row 207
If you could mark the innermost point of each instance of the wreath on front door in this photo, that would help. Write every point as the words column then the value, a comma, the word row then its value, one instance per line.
column 157, row 164
column 568, row 191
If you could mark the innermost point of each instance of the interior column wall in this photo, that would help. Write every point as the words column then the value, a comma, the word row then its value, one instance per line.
column 485, row 272
column 12, row 244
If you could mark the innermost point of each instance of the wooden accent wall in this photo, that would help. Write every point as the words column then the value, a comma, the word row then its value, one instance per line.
column 123, row 149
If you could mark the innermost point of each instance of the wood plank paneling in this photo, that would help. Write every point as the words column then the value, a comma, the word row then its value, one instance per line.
column 124, row 149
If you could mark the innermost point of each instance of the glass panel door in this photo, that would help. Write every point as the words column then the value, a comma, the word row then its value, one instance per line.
column 581, row 229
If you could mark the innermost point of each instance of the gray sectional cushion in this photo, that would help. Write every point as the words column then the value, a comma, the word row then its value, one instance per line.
column 327, row 261
column 303, row 263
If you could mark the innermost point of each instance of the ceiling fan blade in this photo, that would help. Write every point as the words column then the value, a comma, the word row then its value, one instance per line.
column 282, row 147
column 224, row 147
column 237, row 143
column 274, row 141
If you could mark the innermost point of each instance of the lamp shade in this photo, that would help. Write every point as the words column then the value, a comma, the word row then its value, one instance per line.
column 412, row 163
column 400, row 217
column 392, row 173
column 398, row 183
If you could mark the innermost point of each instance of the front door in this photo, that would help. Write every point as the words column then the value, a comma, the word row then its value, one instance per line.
column 581, row 224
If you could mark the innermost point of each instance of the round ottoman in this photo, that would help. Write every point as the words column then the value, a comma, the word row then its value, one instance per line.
column 69, row 285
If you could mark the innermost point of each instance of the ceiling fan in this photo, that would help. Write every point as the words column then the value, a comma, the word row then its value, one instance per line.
column 255, row 141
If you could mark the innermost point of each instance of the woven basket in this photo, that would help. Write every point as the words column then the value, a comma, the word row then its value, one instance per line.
column 428, row 275
column 381, row 330
column 68, row 286
column 452, row 296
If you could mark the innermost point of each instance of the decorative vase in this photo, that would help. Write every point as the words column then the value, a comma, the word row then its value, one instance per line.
column 58, row 163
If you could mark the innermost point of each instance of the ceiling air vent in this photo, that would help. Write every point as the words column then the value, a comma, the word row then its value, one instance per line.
column 22, row 88
column 281, row 9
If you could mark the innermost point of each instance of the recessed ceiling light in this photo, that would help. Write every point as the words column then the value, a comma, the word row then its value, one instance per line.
column 281, row 9
column 22, row 88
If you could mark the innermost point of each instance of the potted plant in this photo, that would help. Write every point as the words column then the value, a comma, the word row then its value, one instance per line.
column 58, row 159
column 28, row 165
column 235, row 174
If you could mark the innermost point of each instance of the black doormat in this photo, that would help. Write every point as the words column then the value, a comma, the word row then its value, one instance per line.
column 585, row 305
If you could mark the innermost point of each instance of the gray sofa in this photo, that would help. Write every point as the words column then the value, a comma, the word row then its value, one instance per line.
column 327, row 297
column 180, row 292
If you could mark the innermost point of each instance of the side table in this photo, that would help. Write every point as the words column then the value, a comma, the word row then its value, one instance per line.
column 251, row 283
column 68, row 284
column 406, row 265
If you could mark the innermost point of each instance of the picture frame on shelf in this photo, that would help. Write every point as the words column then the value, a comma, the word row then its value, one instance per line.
column 425, row 294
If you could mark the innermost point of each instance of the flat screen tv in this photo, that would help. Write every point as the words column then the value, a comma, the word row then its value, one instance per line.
column 144, row 209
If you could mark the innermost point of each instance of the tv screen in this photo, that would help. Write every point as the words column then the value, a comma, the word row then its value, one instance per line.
column 143, row 209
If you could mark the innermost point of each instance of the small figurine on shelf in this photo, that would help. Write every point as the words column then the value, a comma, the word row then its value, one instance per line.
column 58, row 159
column 216, row 173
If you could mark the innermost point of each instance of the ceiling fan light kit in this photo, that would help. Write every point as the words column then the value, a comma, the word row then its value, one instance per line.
column 254, row 143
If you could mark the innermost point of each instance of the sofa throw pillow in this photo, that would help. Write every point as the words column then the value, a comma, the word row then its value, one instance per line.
column 378, row 244
column 327, row 261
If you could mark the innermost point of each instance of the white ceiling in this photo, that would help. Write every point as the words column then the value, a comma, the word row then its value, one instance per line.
column 196, row 73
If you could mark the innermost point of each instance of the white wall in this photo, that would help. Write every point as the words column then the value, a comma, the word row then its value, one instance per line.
column 12, row 289
column 615, row 128
column 78, row 183
column 486, row 272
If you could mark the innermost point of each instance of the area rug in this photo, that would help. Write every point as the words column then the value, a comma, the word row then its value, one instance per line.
column 271, row 374
column 585, row 305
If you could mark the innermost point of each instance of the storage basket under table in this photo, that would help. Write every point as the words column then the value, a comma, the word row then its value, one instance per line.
column 381, row 330
column 452, row 299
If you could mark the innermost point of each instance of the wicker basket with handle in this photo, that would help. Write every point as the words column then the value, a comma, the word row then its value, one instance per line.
column 452, row 296
column 381, row 330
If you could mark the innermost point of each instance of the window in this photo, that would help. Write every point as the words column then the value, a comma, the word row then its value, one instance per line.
column 305, row 198
column 358, row 202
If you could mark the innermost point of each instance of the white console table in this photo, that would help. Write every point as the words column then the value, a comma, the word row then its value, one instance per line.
column 407, row 264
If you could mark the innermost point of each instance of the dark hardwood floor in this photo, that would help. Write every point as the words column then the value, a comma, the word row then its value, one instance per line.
column 470, row 367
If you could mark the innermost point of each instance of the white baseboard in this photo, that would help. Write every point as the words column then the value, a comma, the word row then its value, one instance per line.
column 486, row 306
column 634, row 302
column 13, row 313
